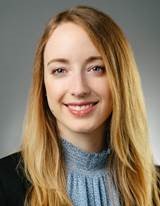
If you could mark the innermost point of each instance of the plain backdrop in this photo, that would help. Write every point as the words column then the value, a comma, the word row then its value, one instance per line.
column 21, row 25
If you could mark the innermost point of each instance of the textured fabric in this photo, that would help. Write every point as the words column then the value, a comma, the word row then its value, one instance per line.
column 89, row 183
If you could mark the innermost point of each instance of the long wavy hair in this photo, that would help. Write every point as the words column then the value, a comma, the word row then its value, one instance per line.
column 131, row 161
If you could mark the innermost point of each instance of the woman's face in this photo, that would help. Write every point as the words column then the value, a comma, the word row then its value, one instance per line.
column 76, row 81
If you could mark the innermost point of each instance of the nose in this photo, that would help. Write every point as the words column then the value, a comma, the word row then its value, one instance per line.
column 79, row 86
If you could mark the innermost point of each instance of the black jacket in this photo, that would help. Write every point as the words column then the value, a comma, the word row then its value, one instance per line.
column 13, row 184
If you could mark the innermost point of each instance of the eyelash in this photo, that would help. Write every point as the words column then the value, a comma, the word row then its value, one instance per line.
column 54, row 71
column 98, row 66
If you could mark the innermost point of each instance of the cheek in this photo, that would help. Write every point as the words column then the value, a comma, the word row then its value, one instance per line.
column 103, row 90
column 108, row 96
column 54, row 92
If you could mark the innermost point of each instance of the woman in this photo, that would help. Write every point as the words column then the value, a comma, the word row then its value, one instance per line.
column 85, row 136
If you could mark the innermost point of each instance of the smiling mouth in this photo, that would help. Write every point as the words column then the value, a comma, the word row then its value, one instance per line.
column 81, row 109
column 81, row 105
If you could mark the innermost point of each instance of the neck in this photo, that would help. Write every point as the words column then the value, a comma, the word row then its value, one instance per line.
column 89, row 142
column 77, row 159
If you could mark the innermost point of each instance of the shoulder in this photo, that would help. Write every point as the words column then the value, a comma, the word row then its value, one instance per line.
column 13, row 183
column 11, row 159
column 10, row 166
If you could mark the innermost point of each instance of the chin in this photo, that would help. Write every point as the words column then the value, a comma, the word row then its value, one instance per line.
column 83, row 130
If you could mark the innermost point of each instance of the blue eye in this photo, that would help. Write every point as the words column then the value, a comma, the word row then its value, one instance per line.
column 98, row 69
column 58, row 71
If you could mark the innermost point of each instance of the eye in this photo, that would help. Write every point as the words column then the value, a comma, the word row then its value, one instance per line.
column 58, row 71
column 97, row 69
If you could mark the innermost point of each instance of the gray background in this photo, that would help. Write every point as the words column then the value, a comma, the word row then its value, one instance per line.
column 21, row 24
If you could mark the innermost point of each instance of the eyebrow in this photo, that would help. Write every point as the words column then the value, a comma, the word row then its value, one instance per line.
column 66, row 61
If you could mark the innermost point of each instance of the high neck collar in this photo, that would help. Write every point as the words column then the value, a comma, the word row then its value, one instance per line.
column 78, row 159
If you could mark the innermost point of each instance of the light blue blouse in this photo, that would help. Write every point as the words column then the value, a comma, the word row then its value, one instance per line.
column 89, row 183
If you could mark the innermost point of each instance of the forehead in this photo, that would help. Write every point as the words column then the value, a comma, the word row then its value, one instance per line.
column 69, row 39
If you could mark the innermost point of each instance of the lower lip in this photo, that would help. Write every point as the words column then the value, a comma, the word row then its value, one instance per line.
column 82, row 113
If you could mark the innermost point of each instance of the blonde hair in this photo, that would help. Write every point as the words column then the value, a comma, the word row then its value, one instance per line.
column 131, row 162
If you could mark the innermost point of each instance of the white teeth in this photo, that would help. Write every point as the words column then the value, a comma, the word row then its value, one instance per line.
column 79, row 108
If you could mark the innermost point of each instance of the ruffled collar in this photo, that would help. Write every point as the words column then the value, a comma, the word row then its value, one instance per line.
column 76, row 158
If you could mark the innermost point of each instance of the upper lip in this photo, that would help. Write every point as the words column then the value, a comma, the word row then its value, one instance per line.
column 81, row 103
